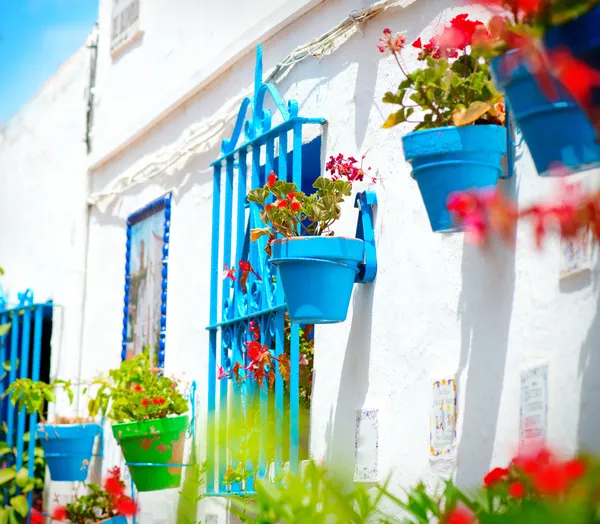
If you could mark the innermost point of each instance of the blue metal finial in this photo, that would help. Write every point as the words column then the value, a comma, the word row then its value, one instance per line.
column 25, row 298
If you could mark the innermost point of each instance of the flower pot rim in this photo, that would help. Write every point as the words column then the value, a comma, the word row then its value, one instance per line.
column 68, row 425
column 448, row 128
column 145, row 426
column 307, row 237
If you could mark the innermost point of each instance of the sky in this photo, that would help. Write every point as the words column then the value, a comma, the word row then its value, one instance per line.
column 36, row 37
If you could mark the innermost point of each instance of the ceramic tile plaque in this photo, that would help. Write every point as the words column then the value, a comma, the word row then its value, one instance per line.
column 366, row 468
column 534, row 407
column 442, row 423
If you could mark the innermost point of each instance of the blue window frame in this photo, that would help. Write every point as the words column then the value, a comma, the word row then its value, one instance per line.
column 268, row 144
column 146, row 262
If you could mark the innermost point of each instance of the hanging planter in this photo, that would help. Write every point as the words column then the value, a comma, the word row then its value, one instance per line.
column 119, row 519
column 460, row 137
column 68, row 449
column 317, row 270
column 557, row 132
column 317, row 275
column 155, row 442
column 581, row 36
column 450, row 159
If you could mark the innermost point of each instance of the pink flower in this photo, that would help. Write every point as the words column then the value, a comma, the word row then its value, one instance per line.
column 393, row 43
column 221, row 373
column 303, row 360
column 229, row 273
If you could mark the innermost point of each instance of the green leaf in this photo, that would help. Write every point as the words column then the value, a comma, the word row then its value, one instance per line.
column 50, row 395
column 12, row 517
column 258, row 232
column 4, row 329
column 3, row 515
column 22, row 477
column 6, row 475
column 395, row 118
column 20, row 504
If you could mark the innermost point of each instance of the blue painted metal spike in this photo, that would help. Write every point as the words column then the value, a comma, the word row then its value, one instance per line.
column 25, row 298
column 365, row 231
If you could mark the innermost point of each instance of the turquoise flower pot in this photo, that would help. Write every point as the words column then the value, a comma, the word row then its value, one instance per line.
column 68, row 449
column 317, row 275
column 449, row 159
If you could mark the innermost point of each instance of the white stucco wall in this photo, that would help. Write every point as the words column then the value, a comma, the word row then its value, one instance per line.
column 438, row 307
column 43, row 210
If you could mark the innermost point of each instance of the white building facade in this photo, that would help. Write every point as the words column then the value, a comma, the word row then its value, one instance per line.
column 169, row 79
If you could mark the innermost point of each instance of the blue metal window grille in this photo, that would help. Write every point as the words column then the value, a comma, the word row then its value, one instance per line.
column 21, row 357
column 280, row 144
column 146, row 280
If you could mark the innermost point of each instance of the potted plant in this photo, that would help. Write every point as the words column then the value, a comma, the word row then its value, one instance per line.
column 106, row 505
column 460, row 137
column 547, row 88
column 317, row 269
column 68, row 442
column 149, row 421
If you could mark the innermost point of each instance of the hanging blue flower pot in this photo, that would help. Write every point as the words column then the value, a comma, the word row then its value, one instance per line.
column 557, row 132
column 68, row 449
column 582, row 37
column 317, row 275
column 449, row 159
column 119, row 519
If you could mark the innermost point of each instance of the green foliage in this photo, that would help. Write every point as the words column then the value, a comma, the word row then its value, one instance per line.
column 289, row 212
column 449, row 93
column 33, row 396
column 137, row 391
column 314, row 497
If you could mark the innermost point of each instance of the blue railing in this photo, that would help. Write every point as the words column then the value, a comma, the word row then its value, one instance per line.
column 263, row 148
column 20, row 356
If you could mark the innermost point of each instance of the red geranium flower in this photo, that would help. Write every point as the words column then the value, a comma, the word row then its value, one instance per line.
column 126, row 506
column 137, row 388
column 144, row 402
column 574, row 469
column 516, row 490
column 417, row 43
column 460, row 515
column 271, row 179
column 296, row 206
column 114, row 486
column 494, row 476
column 158, row 401
column 59, row 513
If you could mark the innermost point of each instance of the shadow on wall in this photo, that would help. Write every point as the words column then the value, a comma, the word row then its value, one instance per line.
column 485, row 308
column 588, row 433
column 354, row 384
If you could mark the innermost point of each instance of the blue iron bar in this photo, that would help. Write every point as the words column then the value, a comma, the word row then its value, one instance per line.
column 14, row 351
column 279, row 128
column 212, row 352
column 35, row 376
column 245, row 317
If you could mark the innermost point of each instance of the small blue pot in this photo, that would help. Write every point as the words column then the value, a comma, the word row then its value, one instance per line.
column 68, row 449
column 556, row 132
column 449, row 159
column 582, row 37
column 317, row 275
column 119, row 519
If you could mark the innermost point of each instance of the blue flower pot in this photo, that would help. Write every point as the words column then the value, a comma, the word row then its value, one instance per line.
column 582, row 37
column 317, row 275
column 68, row 449
column 557, row 132
column 449, row 159
column 119, row 519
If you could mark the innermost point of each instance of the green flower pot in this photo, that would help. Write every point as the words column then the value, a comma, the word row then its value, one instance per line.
column 158, row 441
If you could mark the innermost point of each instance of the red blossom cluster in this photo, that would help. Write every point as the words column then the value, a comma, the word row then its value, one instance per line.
column 118, row 503
column 244, row 271
column 537, row 475
column 456, row 37
column 486, row 212
column 341, row 167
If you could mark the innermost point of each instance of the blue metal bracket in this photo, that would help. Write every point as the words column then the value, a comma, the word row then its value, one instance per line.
column 25, row 298
column 510, row 148
column 365, row 231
